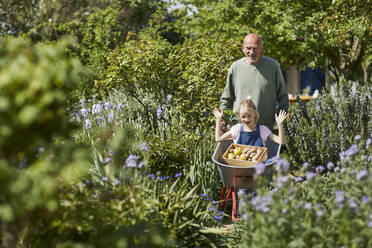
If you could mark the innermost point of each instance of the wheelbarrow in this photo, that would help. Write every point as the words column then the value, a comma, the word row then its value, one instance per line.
column 237, row 177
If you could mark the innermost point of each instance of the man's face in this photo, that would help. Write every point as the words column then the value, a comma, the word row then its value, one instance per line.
column 252, row 48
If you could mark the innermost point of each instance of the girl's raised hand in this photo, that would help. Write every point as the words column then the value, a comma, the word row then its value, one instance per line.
column 281, row 117
column 217, row 113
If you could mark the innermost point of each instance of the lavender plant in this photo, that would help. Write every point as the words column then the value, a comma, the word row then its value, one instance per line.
column 319, row 130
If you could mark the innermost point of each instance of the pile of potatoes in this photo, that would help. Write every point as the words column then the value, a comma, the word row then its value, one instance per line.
column 249, row 154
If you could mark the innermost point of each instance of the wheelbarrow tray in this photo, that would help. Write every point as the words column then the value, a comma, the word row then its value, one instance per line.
column 238, row 176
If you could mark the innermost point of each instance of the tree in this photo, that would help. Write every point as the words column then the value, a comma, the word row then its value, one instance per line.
column 313, row 33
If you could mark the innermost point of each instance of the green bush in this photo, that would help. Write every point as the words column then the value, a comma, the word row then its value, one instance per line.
column 34, row 85
column 318, row 210
column 318, row 131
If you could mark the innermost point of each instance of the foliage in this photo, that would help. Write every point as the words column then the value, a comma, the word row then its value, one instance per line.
column 320, row 210
column 184, row 73
column 319, row 130
column 34, row 83
column 313, row 33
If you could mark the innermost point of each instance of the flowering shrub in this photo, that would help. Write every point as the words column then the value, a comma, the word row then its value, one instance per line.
column 326, row 209
column 318, row 131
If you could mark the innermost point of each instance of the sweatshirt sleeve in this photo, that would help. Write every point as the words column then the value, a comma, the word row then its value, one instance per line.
column 281, row 90
column 228, row 95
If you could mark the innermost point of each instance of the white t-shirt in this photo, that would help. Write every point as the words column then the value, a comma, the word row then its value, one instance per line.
column 264, row 133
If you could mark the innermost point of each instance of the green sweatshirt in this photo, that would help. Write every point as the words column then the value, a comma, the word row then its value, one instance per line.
column 263, row 82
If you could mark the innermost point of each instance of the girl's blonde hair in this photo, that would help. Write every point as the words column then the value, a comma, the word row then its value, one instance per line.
column 249, row 105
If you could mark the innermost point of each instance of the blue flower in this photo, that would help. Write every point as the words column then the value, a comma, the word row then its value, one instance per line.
column 107, row 106
column 84, row 112
column 310, row 175
column 362, row 174
column 110, row 116
column 282, row 165
column 212, row 209
column 178, row 175
column 299, row 179
column 97, row 108
column 88, row 124
column 365, row 199
column 308, row 206
column 119, row 106
column 306, row 164
column 368, row 142
column 353, row 149
column 131, row 160
column 330, row 165
column 339, row 196
column 144, row 147
column 357, row 137
column 203, row 195
column 169, row 98
column 159, row 113
column 352, row 203
column 107, row 160
column 260, row 168
column 281, row 181
column 217, row 217
column 319, row 168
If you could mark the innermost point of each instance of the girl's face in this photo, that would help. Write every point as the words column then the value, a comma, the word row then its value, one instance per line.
column 248, row 117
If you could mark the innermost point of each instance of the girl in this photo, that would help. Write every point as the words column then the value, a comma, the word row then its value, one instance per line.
column 248, row 132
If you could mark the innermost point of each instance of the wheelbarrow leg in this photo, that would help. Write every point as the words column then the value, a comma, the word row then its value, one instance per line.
column 223, row 204
column 222, row 201
column 233, row 212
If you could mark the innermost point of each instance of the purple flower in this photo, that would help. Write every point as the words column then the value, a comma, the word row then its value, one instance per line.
column 308, row 206
column 119, row 106
column 203, row 195
column 110, row 116
column 281, row 181
column 97, row 109
column 141, row 164
column 212, row 209
column 368, row 142
column 310, row 175
column 319, row 168
column 84, row 112
column 352, row 203
column 262, row 203
column 282, row 165
column 88, row 124
column 159, row 113
column 320, row 213
column 353, row 149
column 107, row 160
column 362, row 174
column 339, row 196
column 169, row 98
column 220, row 212
column 330, row 165
column 260, row 168
column 107, row 106
column 144, row 147
column 105, row 179
column 131, row 160
column 357, row 137
column 305, row 165
column 178, row 175
column 369, row 224
column 217, row 217
column 365, row 199
column 299, row 179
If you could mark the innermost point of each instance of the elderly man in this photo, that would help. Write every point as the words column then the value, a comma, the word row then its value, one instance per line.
column 259, row 77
